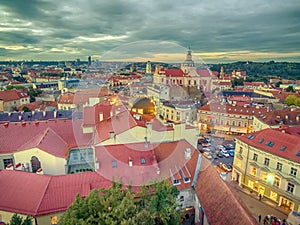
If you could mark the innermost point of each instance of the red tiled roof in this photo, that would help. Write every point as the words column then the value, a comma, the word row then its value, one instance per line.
column 91, row 114
column 137, row 174
column 279, row 139
column 255, row 84
column 230, row 109
column 38, row 105
column 204, row 73
column 222, row 206
column 66, row 98
column 11, row 95
column 174, row 72
column 288, row 116
column 51, row 136
column 36, row 194
column 120, row 122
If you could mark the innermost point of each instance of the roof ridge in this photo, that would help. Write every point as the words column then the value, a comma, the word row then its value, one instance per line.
column 42, row 197
column 39, row 136
column 49, row 129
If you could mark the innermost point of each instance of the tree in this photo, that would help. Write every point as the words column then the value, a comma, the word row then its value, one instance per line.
column 290, row 100
column 117, row 205
column 18, row 220
column 25, row 109
column 290, row 89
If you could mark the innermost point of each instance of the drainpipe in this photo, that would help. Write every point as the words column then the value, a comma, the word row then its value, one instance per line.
column 247, row 159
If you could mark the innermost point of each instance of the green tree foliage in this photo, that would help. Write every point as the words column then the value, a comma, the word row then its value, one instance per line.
column 33, row 93
column 237, row 82
column 290, row 89
column 258, row 70
column 116, row 206
column 292, row 100
column 25, row 109
column 18, row 87
column 18, row 220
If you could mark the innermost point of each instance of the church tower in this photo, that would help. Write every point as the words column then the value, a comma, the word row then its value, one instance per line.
column 148, row 67
column 188, row 64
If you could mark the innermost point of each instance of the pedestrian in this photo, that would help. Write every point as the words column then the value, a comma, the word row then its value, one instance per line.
column 260, row 197
column 259, row 218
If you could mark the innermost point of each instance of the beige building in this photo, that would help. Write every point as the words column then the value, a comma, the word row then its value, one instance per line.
column 268, row 163
column 10, row 100
column 276, row 118
column 223, row 117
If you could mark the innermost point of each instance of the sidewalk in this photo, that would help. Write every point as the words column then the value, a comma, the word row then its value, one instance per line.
column 253, row 195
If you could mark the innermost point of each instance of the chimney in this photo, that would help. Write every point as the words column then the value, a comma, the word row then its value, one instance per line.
column 130, row 162
column 101, row 116
column 112, row 134
column 187, row 153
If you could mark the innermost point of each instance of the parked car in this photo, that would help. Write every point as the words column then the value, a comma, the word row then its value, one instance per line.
column 219, row 154
column 205, row 149
column 207, row 155
column 231, row 153
column 214, row 156
column 226, row 167
column 226, row 154
column 208, row 139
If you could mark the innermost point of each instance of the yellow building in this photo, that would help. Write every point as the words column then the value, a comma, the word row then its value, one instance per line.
column 276, row 118
column 268, row 163
column 228, row 118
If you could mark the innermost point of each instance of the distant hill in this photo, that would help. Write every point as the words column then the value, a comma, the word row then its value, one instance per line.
column 284, row 70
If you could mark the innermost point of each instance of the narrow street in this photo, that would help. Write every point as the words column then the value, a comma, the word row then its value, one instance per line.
column 256, row 207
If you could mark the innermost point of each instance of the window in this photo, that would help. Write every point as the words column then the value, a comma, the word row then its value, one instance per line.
column 6, row 162
column 255, row 157
column 264, row 175
column 269, row 143
column 279, row 166
column 282, row 148
column 267, row 161
column 290, row 187
column 261, row 140
column 176, row 182
column 293, row 171
column 114, row 164
column 75, row 156
column 181, row 198
column 186, row 180
column 143, row 161
column 241, row 150
column 253, row 171
column 276, row 181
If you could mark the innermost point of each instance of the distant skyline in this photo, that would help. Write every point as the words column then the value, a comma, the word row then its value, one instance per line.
column 217, row 31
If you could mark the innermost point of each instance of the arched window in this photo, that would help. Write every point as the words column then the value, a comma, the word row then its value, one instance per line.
column 35, row 163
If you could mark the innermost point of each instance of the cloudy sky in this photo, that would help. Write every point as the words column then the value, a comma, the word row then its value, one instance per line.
column 216, row 30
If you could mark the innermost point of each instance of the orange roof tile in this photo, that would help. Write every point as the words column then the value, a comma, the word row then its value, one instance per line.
column 284, row 145
column 216, row 198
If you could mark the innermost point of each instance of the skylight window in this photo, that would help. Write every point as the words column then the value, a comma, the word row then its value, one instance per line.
column 251, row 137
column 261, row 140
column 114, row 164
column 282, row 148
column 298, row 154
column 143, row 161
column 269, row 143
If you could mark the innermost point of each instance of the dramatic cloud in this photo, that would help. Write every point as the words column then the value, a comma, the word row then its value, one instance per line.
column 215, row 30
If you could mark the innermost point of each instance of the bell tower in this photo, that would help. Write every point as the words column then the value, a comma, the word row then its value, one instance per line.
column 188, row 64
